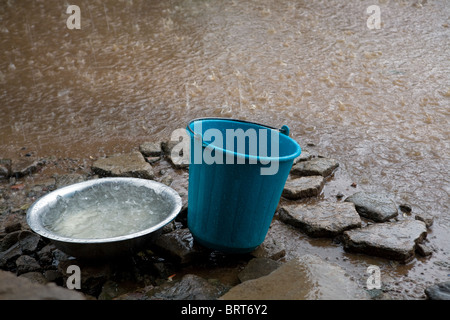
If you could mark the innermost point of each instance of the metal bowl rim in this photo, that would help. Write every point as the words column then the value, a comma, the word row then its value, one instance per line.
column 34, row 213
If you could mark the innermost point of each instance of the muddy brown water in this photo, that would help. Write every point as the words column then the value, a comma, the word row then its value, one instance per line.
column 375, row 99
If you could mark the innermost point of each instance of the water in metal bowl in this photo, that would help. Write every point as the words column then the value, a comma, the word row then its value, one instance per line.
column 104, row 217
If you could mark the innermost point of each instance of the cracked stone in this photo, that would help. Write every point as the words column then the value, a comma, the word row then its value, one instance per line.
column 378, row 207
column 315, row 167
column 324, row 219
column 124, row 165
column 391, row 240
column 303, row 187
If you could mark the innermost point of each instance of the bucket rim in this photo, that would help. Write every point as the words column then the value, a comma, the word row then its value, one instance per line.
column 292, row 156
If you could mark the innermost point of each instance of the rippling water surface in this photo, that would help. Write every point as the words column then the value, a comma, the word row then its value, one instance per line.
column 375, row 99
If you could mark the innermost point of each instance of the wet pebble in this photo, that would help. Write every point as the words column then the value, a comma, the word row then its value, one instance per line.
column 424, row 217
column 25, row 166
column 180, row 246
column 26, row 264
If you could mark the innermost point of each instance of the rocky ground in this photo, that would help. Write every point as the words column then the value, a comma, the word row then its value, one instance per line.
column 174, row 266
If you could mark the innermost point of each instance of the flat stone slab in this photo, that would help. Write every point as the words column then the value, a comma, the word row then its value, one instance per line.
column 190, row 287
column 272, row 248
column 151, row 149
column 306, row 278
column 25, row 166
column 315, row 167
column 378, row 207
column 304, row 156
column 258, row 267
column 391, row 240
column 124, row 165
column 20, row 288
column 27, row 264
column 303, row 187
column 324, row 219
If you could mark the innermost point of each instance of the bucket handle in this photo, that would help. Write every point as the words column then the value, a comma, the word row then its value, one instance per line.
column 284, row 129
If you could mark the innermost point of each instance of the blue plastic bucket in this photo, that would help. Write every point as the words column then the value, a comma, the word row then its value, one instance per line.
column 237, row 173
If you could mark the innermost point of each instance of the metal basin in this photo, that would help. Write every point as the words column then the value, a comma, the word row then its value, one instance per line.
column 96, row 248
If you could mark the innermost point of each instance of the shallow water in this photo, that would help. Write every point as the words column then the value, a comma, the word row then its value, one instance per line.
column 376, row 100
column 106, row 211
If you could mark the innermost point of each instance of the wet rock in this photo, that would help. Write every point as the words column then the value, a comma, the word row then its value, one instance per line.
column 424, row 250
column 25, row 166
column 59, row 256
column 29, row 241
column 5, row 168
column 439, row 291
column 304, row 156
column 391, row 240
column 151, row 149
column 53, row 276
column 258, row 267
column 152, row 159
column 315, row 167
column 324, row 219
column 93, row 275
column 112, row 289
column 378, row 207
column 9, row 240
column 17, row 243
column 303, row 187
column 424, row 217
column 179, row 245
column 167, row 180
column 167, row 146
column 163, row 269
column 124, row 165
column 191, row 287
column 404, row 207
column 171, row 226
column 271, row 248
column 45, row 255
column 35, row 277
column 26, row 264
column 19, row 288
column 175, row 152
column 8, row 257
column 305, row 278
column 139, row 294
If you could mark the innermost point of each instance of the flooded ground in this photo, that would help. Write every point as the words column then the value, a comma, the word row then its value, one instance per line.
column 377, row 100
